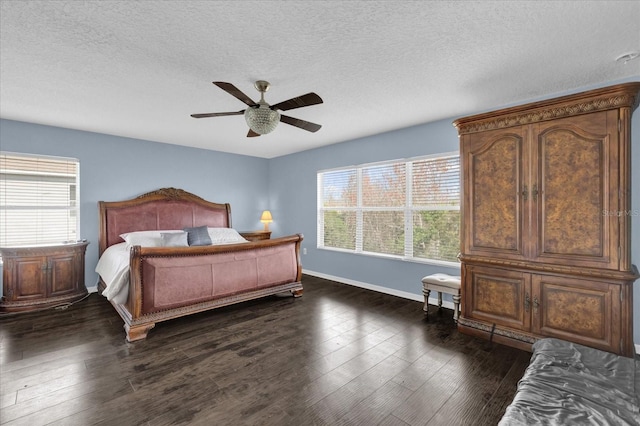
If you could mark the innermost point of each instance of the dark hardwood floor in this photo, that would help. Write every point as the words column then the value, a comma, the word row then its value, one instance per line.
column 339, row 355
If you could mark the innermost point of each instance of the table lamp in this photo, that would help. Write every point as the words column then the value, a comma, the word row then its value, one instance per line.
column 266, row 219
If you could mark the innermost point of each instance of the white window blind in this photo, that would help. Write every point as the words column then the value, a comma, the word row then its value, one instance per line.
column 339, row 195
column 38, row 199
column 436, row 208
column 383, row 203
column 409, row 209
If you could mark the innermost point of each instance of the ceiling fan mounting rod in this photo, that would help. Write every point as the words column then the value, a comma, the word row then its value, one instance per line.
column 262, row 86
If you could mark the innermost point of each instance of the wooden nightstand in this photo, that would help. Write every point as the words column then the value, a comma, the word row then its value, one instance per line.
column 256, row 235
column 43, row 276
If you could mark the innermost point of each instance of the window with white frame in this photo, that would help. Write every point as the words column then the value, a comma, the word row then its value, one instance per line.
column 408, row 209
column 39, row 199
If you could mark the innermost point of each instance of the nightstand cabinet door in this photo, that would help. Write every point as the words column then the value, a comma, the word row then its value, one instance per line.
column 27, row 278
column 64, row 270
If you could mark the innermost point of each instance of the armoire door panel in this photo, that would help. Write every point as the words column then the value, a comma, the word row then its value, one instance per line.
column 493, row 187
column 574, row 175
column 499, row 297
column 579, row 310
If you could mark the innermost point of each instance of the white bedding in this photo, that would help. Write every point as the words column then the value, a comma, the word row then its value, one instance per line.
column 113, row 268
column 113, row 265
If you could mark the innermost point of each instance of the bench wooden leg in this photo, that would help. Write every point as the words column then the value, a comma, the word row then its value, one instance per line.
column 425, row 308
column 456, row 307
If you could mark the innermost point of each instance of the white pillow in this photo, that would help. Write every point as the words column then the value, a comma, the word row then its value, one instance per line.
column 145, row 238
column 225, row 236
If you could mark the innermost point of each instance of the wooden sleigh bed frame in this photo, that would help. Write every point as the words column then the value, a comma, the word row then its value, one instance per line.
column 170, row 282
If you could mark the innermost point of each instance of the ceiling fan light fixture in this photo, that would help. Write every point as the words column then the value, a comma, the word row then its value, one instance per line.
column 262, row 119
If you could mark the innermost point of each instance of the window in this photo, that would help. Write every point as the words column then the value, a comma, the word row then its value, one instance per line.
column 405, row 209
column 38, row 199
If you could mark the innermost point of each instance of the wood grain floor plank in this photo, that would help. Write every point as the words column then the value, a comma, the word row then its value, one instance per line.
column 373, row 409
column 65, row 401
column 392, row 420
column 422, row 369
column 503, row 394
column 425, row 402
column 339, row 403
column 468, row 403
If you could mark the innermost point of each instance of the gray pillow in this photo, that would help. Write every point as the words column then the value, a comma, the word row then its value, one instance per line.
column 198, row 236
column 174, row 239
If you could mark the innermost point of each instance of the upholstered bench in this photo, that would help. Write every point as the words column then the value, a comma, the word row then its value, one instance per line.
column 442, row 283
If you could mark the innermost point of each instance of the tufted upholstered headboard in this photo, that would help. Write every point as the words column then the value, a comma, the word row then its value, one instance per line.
column 165, row 208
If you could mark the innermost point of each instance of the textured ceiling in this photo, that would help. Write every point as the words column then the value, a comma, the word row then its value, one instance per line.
column 138, row 69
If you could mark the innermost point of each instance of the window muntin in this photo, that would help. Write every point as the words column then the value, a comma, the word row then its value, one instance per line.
column 407, row 209
column 38, row 199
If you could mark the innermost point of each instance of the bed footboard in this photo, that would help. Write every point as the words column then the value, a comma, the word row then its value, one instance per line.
column 167, row 283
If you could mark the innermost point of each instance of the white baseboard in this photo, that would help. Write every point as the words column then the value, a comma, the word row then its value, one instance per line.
column 393, row 292
column 93, row 289
column 380, row 289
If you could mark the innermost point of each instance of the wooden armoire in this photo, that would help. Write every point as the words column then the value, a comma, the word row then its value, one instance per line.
column 546, row 212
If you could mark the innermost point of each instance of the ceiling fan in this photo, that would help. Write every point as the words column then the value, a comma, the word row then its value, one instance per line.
column 261, row 117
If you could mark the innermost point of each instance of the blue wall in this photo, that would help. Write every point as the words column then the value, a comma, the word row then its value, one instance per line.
column 114, row 168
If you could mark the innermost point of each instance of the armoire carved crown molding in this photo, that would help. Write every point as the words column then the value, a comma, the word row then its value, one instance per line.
column 619, row 96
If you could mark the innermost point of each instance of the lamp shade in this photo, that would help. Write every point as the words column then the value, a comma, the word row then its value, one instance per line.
column 266, row 217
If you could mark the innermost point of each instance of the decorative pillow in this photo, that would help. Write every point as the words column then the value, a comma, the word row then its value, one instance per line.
column 174, row 239
column 225, row 236
column 145, row 238
column 198, row 236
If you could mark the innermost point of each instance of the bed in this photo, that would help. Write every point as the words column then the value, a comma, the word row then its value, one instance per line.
column 169, row 253
column 570, row 384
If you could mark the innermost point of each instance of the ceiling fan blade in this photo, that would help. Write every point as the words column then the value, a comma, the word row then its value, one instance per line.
column 310, row 127
column 234, row 91
column 217, row 114
column 298, row 102
column 252, row 134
